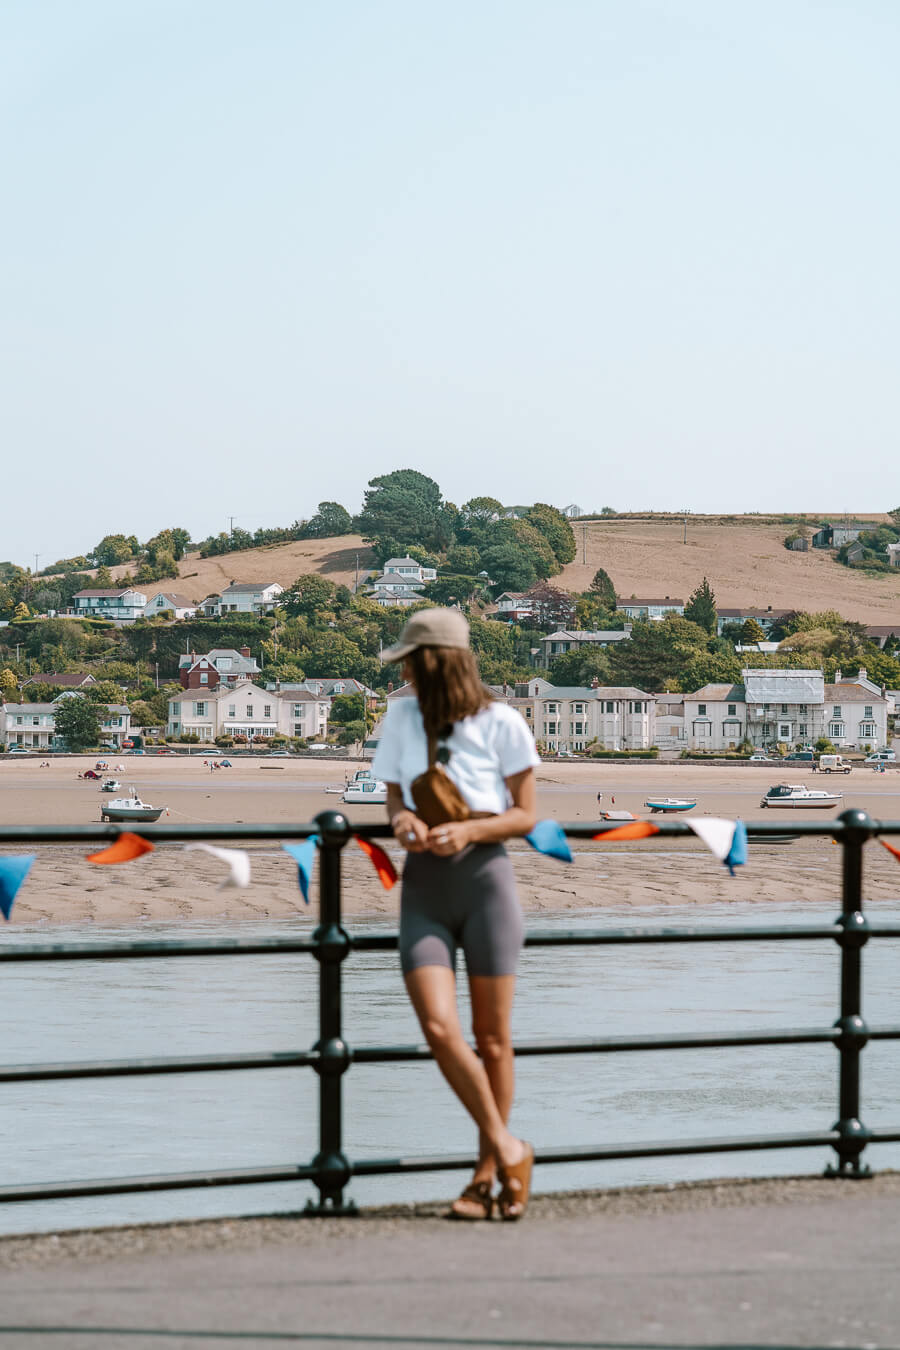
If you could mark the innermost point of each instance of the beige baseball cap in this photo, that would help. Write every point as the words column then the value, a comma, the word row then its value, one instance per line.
column 429, row 628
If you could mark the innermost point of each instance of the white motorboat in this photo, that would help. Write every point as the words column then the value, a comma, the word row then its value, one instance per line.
column 364, row 789
column 110, row 785
column 667, row 805
column 130, row 808
column 800, row 797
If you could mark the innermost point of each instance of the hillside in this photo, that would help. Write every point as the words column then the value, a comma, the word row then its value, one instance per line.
column 746, row 563
column 333, row 558
column 744, row 558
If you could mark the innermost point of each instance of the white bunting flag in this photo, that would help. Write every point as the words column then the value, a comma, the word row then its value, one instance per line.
column 238, row 863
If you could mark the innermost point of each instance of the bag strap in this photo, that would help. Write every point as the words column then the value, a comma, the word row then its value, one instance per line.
column 432, row 749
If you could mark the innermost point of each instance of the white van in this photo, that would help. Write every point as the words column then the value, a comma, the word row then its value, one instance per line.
column 833, row 764
column 882, row 757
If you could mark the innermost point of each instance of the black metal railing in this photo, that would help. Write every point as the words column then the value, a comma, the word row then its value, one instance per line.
column 331, row 1057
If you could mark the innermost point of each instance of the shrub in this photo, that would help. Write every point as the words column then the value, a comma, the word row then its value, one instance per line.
column 225, row 741
column 189, row 738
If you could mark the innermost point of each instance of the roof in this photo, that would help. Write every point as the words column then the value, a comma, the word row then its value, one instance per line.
column 851, row 693
column 872, row 630
column 180, row 601
column 406, row 562
column 588, row 692
column 30, row 708
column 67, row 679
column 624, row 691
column 105, row 595
column 248, row 586
column 622, row 601
column 191, row 659
column 719, row 693
column 748, row 612
column 783, row 686
column 587, row 635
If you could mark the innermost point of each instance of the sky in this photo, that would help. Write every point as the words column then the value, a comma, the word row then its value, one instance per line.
column 628, row 253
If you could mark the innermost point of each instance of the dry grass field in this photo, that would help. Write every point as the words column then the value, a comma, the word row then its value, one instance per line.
column 746, row 563
column 743, row 557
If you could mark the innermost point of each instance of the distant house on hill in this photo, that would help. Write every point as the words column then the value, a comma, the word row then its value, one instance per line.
column 401, row 582
column 243, row 597
column 62, row 679
column 163, row 602
column 565, row 640
column 121, row 605
column 766, row 618
column 221, row 666
column 833, row 536
column 637, row 608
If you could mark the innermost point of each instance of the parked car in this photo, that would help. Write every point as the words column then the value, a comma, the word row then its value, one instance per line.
column 278, row 754
column 19, row 750
column 800, row 757
column 882, row 757
column 760, row 757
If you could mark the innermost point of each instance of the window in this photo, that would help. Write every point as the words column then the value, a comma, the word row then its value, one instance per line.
column 578, row 709
column 835, row 729
column 637, row 707
column 803, row 729
column 35, row 721
column 232, row 710
column 19, row 721
column 836, row 711
column 784, row 710
column 204, row 678
column 732, row 710
column 296, row 710
column 868, row 710
column 784, row 731
column 552, row 707
column 549, row 728
column 199, row 709
column 867, row 730
column 267, row 710
column 803, row 709
column 701, row 710
column 576, row 728
column 249, row 712
column 610, row 707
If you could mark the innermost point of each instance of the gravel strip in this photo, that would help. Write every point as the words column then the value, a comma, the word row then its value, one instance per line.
column 106, row 1244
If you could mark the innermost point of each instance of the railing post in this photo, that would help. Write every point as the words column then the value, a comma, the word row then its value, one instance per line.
column 333, row 945
column 854, row 934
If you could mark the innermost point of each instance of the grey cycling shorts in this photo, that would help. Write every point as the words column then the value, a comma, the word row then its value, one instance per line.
column 468, row 900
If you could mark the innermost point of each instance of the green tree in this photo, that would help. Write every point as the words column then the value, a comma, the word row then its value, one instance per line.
column 142, row 715
column 475, row 516
column 708, row 667
column 77, row 722
column 331, row 653
column 330, row 519
column 352, row 733
column 701, row 607
column 104, row 691
column 657, row 653
column 309, row 596
column 405, row 506
column 9, row 685
column 509, row 566
column 555, row 528
column 751, row 632
column 113, row 549
column 348, row 708
column 21, row 612
column 577, row 669
column 103, row 579
column 464, row 558
column 602, row 586
column 532, row 542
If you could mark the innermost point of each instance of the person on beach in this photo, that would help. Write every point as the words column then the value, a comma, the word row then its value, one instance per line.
column 458, row 884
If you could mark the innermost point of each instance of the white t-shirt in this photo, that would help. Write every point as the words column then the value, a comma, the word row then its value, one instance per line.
column 485, row 749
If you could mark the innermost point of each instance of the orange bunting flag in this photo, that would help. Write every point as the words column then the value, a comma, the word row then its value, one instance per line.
column 387, row 873
column 890, row 848
column 126, row 848
column 635, row 829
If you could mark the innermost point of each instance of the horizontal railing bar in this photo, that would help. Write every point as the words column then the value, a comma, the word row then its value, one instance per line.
column 97, row 832
column 369, row 1167
column 400, row 1054
column 124, row 1068
column 154, row 947
column 173, row 1181
column 260, row 946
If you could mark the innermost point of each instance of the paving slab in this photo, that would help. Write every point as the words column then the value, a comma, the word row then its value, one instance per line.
column 797, row 1262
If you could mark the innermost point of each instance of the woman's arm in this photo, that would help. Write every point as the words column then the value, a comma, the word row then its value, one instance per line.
column 517, row 820
column 408, row 829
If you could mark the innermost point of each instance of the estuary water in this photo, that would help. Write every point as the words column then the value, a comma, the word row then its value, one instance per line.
column 103, row 1128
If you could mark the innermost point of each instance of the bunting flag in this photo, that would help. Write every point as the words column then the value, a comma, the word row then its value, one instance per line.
column 884, row 844
column 237, row 860
column 726, row 839
column 304, row 856
column 635, row 829
column 387, row 873
column 13, row 872
column 549, row 837
column 126, row 848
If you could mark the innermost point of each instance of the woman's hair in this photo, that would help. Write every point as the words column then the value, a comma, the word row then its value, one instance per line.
column 448, row 686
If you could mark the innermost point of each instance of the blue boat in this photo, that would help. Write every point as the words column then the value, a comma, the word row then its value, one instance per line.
column 671, row 804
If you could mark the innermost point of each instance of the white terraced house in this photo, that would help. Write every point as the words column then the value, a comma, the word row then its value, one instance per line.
column 636, row 608
column 571, row 718
column 122, row 605
column 244, row 597
column 247, row 710
column 401, row 583
column 33, row 725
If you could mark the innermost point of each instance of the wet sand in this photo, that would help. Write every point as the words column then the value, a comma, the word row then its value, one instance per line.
column 169, row 884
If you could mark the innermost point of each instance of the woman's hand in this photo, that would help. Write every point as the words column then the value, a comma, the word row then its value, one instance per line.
column 445, row 840
column 410, row 832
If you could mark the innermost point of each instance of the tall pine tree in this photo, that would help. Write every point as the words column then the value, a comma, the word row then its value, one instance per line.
column 701, row 607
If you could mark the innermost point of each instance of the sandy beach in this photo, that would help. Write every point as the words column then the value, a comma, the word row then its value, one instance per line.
column 170, row 884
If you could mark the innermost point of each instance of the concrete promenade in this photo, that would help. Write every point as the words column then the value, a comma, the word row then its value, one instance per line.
column 788, row 1263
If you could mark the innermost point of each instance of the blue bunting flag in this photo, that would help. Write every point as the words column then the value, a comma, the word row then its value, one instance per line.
column 13, row 872
column 548, row 837
column 304, row 856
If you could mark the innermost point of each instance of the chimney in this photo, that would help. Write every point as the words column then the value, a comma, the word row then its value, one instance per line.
column 245, row 651
column 390, row 687
column 863, row 674
column 837, row 677
column 595, row 683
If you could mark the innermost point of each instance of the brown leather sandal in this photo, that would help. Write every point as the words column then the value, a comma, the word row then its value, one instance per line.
column 515, row 1186
column 478, row 1195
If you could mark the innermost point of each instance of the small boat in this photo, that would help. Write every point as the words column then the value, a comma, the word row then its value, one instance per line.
column 110, row 785
column 101, row 764
column 671, row 804
column 364, row 789
column 130, row 808
column 617, row 815
column 337, row 788
column 799, row 796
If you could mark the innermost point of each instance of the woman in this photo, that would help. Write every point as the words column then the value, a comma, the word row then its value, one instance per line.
column 458, row 886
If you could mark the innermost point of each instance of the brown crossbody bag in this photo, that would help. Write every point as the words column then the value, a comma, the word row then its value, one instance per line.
column 438, row 800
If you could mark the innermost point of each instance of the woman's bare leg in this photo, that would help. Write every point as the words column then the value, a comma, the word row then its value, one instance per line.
column 492, row 999
column 432, row 991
